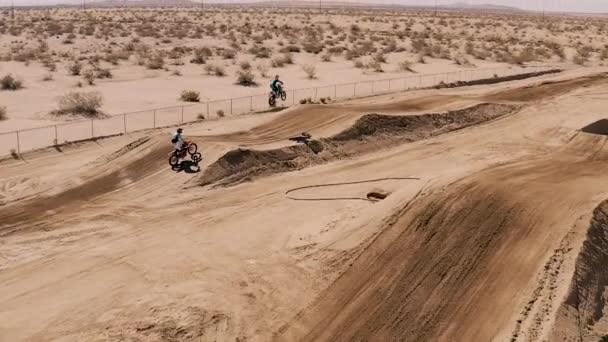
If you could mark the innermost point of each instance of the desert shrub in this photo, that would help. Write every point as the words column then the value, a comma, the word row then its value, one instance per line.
column 406, row 66
column 290, row 48
column 9, row 82
column 313, row 47
column 375, row 66
column 306, row 100
column 380, row 58
column 359, row 64
column 47, row 77
column 287, row 58
column 421, row 59
column 155, row 62
column 245, row 65
column 190, row 96
column 89, row 76
column 326, row 57
column 103, row 73
column 310, row 70
column 75, row 68
column 579, row 60
column 220, row 113
column 263, row 69
column 3, row 115
column 228, row 54
column 200, row 116
column 245, row 78
column 215, row 70
column 75, row 103
column 176, row 72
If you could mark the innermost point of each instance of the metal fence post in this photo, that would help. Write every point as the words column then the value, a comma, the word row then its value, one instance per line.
column 18, row 144
column 293, row 97
column 230, row 106
column 208, row 109
column 335, row 91
column 251, row 103
column 56, row 136
column 373, row 86
column 124, row 122
column 92, row 129
column 315, row 98
column 182, row 114
column 354, row 89
column 155, row 118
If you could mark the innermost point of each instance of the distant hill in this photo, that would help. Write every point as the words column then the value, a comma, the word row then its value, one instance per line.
column 482, row 7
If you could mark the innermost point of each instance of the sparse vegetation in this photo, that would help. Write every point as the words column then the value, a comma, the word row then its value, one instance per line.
column 75, row 68
column 3, row 115
column 245, row 78
column 76, row 103
column 310, row 70
column 190, row 96
column 8, row 82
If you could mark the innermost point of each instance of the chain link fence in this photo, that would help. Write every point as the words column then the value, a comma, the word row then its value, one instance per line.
column 41, row 137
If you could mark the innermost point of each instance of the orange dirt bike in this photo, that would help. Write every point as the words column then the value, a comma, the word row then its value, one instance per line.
column 188, row 148
column 272, row 97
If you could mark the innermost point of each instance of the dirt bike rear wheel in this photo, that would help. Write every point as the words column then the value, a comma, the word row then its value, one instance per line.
column 283, row 95
column 197, row 157
column 192, row 148
column 272, row 101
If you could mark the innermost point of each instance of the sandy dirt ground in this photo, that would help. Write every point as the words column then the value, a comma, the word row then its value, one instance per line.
column 492, row 225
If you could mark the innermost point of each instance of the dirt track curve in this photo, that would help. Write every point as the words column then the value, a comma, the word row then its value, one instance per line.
column 465, row 214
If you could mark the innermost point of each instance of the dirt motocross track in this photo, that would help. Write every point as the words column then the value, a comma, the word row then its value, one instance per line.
column 465, row 214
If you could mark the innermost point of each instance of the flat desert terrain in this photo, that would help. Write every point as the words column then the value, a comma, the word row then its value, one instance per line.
column 473, row 213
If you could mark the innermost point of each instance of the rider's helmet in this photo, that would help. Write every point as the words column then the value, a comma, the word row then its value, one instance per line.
column 179, row 130
column 276, row 77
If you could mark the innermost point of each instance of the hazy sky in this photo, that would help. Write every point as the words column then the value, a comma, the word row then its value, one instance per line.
column 593, row 6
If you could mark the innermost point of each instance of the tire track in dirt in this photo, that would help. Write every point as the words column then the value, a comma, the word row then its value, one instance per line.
column 451, row 266
column 151, row 158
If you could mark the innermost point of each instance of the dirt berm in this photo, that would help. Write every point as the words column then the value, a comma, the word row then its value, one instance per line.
column 369, row 133
column 580, row 315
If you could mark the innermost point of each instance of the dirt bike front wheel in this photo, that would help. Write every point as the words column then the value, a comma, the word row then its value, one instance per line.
column 197, row 157
column 283, row 95
column 192, row 148
column 174, row 160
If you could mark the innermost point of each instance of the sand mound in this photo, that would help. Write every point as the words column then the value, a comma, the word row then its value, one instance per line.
column 584, row 306
column 369, row 133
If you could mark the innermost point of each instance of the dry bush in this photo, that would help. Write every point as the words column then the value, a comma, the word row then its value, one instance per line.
column 310, row 70
column 89, row 76
column 245, row 78
column 326, row 57
column 74, row 68
column 155, row 62
column 245, row 65
column 406, row 66
column 375, row 66
column 9, row 82
column 228, row 54
column 3, row 115
column 290, row 48
column 47, row 77
column 176, row 72
column 201, row 116
column 215, row 70
column 359, row 64
column 263, row 69
column 190, row 96
column 75, row 103
column 220, row 113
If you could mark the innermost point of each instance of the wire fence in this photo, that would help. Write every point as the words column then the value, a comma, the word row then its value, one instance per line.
column 46, row 136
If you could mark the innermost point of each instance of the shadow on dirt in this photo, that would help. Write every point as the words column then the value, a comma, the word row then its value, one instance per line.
column 599, row 127
column 188, row 166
